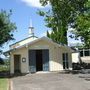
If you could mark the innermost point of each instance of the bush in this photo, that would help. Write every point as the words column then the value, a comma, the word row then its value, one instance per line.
column 1, row 61
column 76, row 66
column 79, row 66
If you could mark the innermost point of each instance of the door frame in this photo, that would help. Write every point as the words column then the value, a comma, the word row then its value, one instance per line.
column 65, row 61
column 19, row 56
column 42, row 59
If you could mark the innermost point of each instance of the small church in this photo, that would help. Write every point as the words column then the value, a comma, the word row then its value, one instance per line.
column 34, row 54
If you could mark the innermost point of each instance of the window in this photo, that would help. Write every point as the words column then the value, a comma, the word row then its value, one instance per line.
column 85, row 52
column 81, row 53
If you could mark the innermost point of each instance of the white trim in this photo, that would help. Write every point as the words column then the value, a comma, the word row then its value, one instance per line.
column 46, row 39
column 38, row 39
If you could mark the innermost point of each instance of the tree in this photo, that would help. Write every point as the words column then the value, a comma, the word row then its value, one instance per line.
column 1, row 61
column 7, row 27
column 82, row 29
column 64, row 13
column 54, row 20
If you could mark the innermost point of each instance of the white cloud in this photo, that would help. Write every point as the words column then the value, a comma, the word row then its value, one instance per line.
column 33, row 3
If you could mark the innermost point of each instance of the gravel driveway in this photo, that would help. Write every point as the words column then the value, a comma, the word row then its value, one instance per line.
column 52, row 81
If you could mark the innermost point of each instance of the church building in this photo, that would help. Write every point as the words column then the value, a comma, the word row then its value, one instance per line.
column 35, row 54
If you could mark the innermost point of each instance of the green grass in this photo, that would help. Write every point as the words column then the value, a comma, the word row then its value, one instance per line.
column 3, row 83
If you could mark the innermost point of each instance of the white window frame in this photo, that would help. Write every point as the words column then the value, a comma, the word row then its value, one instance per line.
column 83, row 50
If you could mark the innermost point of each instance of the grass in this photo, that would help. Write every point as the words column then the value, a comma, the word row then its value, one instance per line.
column 4, row 83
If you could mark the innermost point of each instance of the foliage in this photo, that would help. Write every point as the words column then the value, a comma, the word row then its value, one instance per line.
column 7, row 27
column 55, row 21
column 7, row 61
column 1, row 61
column 5, row 66
column 64, row 13
column 82, row 29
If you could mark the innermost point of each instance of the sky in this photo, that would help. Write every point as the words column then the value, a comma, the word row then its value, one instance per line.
column 24, row 11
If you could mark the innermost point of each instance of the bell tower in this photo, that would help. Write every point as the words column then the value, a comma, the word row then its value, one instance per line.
column 31, row 29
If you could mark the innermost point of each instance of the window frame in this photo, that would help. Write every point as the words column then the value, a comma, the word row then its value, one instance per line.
column 83, row 52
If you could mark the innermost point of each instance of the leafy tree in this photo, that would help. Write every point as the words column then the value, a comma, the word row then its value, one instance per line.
column 82, row 29
column 58, row 26
column 64, row 13
column 1, row 61
column 7, row 27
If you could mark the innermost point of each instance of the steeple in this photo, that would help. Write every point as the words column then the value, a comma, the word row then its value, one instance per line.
column 31, row 29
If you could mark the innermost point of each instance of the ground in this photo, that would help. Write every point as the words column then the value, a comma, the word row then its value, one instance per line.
column 52, row 81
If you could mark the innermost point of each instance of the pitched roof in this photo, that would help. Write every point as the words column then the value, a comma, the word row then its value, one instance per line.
column 23, row 40
column 36, row 40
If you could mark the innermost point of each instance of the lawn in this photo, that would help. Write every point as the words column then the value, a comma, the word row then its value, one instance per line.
column 4, row 81
column 4, row 84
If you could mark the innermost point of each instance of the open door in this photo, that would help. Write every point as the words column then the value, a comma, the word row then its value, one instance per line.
column 45, row 56
column 32, row 61
column 17, row 64
column 39, row 60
